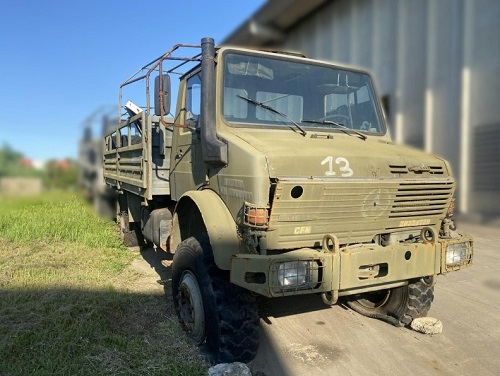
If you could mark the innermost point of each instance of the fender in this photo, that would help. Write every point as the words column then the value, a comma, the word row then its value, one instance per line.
column 204, row 211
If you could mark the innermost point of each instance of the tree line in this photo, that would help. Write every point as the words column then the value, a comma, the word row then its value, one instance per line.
column 55, row 174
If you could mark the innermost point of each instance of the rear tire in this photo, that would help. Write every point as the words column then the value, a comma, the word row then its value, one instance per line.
column 227, row 322
column 399, row 306
column 130, row 232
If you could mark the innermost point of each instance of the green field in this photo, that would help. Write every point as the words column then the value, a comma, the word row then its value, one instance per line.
column 71, row 302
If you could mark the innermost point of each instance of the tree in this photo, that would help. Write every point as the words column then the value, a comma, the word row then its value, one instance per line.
column 10, row 163
column 60, row 174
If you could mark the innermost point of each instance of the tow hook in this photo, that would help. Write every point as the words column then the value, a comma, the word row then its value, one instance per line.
column 330, row 297
column 330, row 244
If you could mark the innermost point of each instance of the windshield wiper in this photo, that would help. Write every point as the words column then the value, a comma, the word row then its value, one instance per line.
column 260, row 104
column 342, row 127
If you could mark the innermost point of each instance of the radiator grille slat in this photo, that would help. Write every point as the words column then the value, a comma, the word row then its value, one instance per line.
column 355, row 211
column 401, row 169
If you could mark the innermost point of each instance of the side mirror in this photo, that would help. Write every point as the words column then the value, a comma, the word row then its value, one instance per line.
column 162, row 94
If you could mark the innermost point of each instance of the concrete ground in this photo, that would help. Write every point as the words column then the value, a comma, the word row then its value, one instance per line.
column 302, row 336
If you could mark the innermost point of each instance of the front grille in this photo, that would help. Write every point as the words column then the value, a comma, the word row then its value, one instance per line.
column 436, row 170
column 398, row 169
column 402, row 169
column 355, row 211
column 421, row 199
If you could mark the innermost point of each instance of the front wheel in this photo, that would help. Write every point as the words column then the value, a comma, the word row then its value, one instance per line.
column 212, row 311
column 190, row 307
column 398, row 306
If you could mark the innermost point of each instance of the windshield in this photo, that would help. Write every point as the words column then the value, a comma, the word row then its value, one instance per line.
column 266, row 92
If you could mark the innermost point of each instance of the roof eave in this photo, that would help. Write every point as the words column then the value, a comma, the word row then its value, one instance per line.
column 269, row 24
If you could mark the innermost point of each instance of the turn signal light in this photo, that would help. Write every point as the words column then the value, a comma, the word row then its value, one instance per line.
column 451, row 208
column 256, row 216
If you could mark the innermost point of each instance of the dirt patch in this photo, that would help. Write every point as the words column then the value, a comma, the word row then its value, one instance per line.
column 306, row 353
column 141, row 278
column 148, row 274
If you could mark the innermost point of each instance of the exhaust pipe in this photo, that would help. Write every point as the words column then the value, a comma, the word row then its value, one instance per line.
column 214, row 150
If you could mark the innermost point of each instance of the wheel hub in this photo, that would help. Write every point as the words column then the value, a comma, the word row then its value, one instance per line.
column 186, row 309
column 190, row 307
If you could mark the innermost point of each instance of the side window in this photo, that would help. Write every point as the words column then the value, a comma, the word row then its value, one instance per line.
column 193, row 98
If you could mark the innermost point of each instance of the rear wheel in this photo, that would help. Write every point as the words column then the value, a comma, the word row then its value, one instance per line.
column 215, row 313
column 130, row 232
column 398, row 306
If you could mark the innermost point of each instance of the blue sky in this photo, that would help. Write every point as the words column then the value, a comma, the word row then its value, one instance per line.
column 62, row 60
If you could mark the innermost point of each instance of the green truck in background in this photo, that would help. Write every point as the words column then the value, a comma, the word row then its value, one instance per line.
column 90, row 172
column 274, row 176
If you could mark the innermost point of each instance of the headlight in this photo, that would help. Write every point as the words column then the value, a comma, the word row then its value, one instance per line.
column 292, row 273
column 297, row 274
column 456, row 254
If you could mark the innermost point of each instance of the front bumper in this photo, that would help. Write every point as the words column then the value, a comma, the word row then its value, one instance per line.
column 349, row 270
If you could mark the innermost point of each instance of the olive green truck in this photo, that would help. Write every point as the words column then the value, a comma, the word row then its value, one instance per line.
column 276, row 175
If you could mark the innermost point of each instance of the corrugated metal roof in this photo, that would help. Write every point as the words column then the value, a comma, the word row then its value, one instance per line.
column 269, row 24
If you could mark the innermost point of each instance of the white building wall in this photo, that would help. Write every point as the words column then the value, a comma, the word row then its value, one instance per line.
column 411, row 72
column 385, row 43
column 362, row 33
column 481, row 106
column 436, row 62
column 443, row 84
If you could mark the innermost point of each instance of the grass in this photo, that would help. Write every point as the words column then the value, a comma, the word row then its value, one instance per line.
column 72, row 304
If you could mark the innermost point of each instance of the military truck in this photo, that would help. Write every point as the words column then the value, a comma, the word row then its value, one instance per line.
column 90, row 172
column 276, row 176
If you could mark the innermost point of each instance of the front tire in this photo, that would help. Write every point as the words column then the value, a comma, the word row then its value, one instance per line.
column 398, row 306
column 215, row 313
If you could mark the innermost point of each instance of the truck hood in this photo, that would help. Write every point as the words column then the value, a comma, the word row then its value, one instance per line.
column 320, row 155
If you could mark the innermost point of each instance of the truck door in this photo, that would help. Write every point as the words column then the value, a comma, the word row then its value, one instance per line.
column 187, row 166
